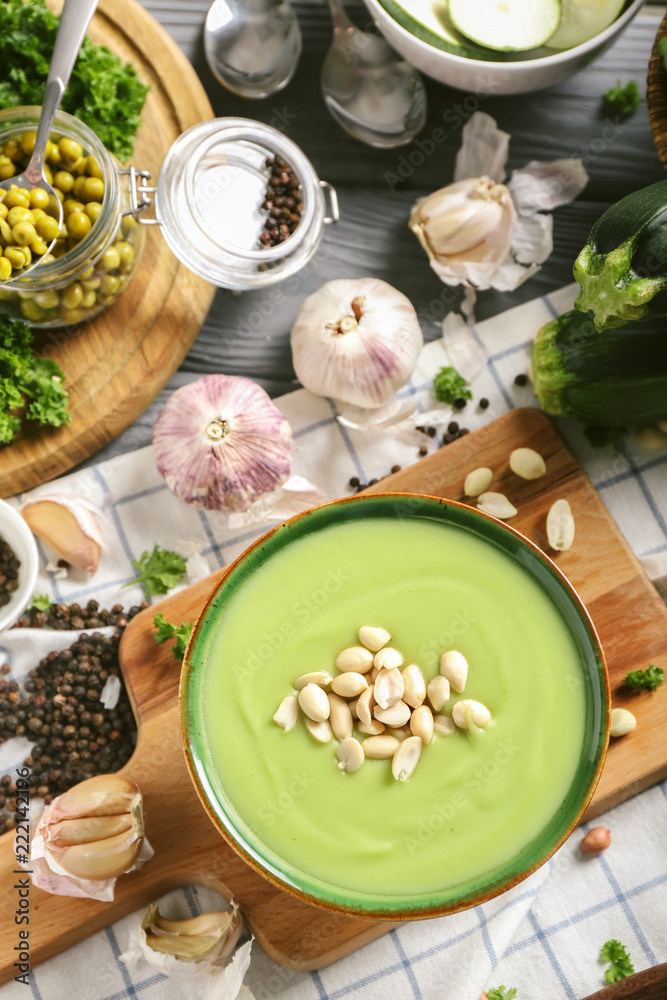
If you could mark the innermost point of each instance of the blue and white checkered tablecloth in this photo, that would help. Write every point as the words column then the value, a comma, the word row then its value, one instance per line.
column 544, row 936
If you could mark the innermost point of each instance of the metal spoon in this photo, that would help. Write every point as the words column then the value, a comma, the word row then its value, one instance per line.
column 74, row 20
column 372, row 93
column 252, row 46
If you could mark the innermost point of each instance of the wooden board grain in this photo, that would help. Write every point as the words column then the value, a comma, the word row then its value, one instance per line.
column 651, row 984
column 632, row 624
column 116, row 364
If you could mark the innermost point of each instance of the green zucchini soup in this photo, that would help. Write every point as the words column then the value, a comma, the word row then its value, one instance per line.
column 484, row 806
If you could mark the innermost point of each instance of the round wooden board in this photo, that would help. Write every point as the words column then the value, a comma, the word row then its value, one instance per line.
column 117, row 364
column 656, row 95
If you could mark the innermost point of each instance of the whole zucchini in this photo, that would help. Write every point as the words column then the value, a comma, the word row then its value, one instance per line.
column 608, row 381
column 622, row 269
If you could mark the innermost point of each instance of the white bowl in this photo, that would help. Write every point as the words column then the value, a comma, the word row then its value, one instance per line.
column 488, row 77
column 16, row 532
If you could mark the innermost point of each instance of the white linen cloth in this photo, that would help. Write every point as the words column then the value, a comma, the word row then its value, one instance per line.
column 544, row 936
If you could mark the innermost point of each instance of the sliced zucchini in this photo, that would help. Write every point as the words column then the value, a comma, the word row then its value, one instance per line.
column 429, row 21
column 506, row 25
column 583, row 19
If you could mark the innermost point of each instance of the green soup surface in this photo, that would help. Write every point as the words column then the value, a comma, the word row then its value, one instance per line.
column 475, row 800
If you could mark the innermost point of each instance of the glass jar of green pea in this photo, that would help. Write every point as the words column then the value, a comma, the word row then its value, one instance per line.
column 99, row 245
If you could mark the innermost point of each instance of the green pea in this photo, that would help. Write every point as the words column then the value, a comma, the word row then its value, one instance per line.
column 64, row 181
column 110, row 260
column 78, row 225
column 92, row 189
column 47, row 228
column 110, row 284
column 72, row 296
column 126, row 251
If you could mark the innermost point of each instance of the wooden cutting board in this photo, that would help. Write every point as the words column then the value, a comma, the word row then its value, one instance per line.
column 631, row 621
column 116, row 364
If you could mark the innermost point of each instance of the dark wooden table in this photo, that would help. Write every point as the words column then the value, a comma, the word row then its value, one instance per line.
column 248, row 334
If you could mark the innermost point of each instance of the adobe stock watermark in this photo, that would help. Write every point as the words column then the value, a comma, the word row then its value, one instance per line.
column 299, row 784
column 300, row 613
column 473, row 782
column 453, row 118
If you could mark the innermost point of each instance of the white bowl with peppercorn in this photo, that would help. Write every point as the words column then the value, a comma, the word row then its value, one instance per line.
column 18, row 565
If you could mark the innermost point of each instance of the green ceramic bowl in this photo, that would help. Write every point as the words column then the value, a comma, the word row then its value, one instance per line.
column 204, row 661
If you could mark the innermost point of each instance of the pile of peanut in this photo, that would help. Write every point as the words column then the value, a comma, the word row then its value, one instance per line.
column 374, row 696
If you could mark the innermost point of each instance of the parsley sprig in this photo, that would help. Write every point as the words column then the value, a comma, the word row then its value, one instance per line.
column 625, row 99
column 159, row 571
column 30, row 387
column 502, row 993
column 166, row 631
column 621, row 963
column 41, row 602
column 645, row 680
column 449, row 386
column 103, row 92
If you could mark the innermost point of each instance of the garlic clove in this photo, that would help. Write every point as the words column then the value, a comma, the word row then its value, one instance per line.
column 103, row 795
column 466, row 228
column 100, row 859
column 86, row 829
column 208, row 937
column 95, row 830
column 221, row 444
column 356, row 340
column 68, row 526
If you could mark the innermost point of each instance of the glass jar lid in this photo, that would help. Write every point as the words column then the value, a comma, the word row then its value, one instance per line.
column 214, row 192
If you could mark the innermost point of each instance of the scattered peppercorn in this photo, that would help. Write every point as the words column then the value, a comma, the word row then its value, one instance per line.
column 459, row 403
column 521, row 379
column 283, row 203
column 453, row 427
column 395, row 468
column 423, row 451
column 59, row 708
column 483, row 403
column 354, row 482
column 9, row 572
column 73, row 616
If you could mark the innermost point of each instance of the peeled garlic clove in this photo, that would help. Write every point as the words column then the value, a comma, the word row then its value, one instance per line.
column 477, row 481
column 374, row 637
column 454, row 666
column 527, row 463
column 95, row 830
column 356, row 339
column 221, row 444
column 560, row 526
column 68, row 526
column 497, row 505
column 468, row 711
column 622, row 722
